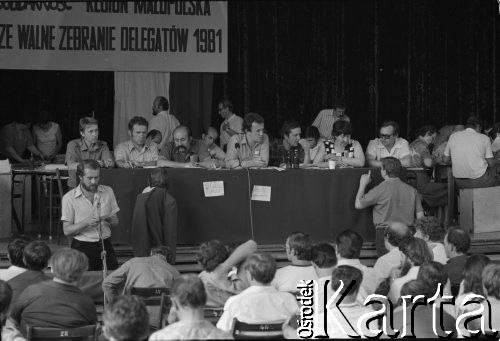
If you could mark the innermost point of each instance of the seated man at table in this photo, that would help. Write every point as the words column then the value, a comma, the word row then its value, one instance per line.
column 211, row 155
column 470, row 154
column 57, row 303
column 392, row 200
column 182, row 152
column 281, row 151
column 88, row 146
column 250, row 149
column 388, row 144
column 136, row 152
column 327, row 117
column 15, row 138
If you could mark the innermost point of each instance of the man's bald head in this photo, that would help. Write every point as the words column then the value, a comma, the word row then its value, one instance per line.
column 396, row 233
column 209, row 136
column 182, row 136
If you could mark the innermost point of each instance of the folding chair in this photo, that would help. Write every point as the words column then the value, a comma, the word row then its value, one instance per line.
column 90, row 332
column 155, row 298
column 271, row 330
column 212, row 314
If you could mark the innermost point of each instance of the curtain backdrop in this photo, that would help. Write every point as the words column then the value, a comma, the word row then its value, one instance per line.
column 134, row 95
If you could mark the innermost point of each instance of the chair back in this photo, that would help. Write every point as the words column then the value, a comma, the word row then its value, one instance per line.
column 212, row 314
column 271, row 330
column 90, row 332
column 155, row 297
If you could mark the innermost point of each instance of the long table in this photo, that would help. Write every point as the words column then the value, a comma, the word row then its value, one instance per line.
column 317, row 201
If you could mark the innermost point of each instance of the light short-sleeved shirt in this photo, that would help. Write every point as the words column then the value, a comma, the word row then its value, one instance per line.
column 165, row 123
column 287, row 277
column 395, row 289
column 468, row 150
column 77, row 151
column 258, row 304
column 235, row 123
column 76, row 207
column 190, row 330
column 393, row 200
column 126, row 151
column 377, row 150
column 325, row 120
column 384, row 265
column 259, row 151
column 351, row 312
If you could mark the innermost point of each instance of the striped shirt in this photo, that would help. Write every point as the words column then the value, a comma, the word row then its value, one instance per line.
column 165, row 123
column 325, row 120
column 126, row 151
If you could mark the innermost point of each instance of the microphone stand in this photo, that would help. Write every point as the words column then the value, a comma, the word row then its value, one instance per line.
column 103, row 252
column 237, row 146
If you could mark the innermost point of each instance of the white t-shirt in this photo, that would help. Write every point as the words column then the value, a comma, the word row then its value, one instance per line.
column 287, row 278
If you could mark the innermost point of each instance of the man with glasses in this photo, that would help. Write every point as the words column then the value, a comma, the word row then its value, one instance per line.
column 182, row 152
column 388, row 144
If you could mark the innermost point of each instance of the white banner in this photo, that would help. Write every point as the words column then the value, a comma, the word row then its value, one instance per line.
column 167, row 36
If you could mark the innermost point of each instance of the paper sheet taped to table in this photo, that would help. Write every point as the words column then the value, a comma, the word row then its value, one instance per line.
column 213, row 188
column 261, row 193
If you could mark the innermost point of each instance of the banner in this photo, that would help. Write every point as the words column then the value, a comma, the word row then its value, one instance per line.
column 166, row 36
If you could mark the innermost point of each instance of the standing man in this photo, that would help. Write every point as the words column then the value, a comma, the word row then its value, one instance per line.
column 250, row 149
column 231, row 125
column 88, row 212
column 327, row 117
column 388, row 144
column 162, row 120
column 290, row 131
column 136, row 152
column 470, row 154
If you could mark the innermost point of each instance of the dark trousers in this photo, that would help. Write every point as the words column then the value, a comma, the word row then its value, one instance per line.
column 379, row 240
column 93, row 252
column 486, row 180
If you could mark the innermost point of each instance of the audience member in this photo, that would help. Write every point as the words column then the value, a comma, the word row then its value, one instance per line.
column 416, row 253
column 491, row 282
column 154, row 221
column 88, row 146
column 47, row 136
column 125, row 318
column 261, row 302
column 345, row 151
column 154, row 271
column 495, row 145
column 282, row 151
column 15, row 251
column 393, row 200
column 9, row 330
column 15, row 138
column 442, row 140
column 349, row 245
column 316, row 144
column 232, row 124
column 471, row 155
column 395, row 234
column 57, row 303
column 388, row 144
column 456, row 244
column 324, row 260
column 182, row 152
column 432, row 231
column 186, row 320
column 163, row 120
column 327, row 117
column 36, row 256
column 432, row 273
column 251, row 148
column 154, row 136
column 217, row 265
column 298, row 251
column 211, row 155
column 88, row 212
column 136, row 152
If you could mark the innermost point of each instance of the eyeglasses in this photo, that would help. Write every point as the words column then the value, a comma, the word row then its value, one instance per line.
column 385, row 137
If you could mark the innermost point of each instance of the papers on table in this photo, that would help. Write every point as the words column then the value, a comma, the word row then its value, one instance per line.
column 261, row 193
column 213, row 188
column 54, row 166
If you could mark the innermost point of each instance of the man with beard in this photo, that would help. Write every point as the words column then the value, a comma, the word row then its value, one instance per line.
column 182, row 152
column 388, row 144
column 88, row 212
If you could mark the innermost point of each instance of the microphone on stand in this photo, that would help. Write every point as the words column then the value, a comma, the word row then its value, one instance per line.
column 99, row 232
column 237, row 146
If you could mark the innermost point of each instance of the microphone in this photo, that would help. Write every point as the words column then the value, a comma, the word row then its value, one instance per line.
column 237, row 146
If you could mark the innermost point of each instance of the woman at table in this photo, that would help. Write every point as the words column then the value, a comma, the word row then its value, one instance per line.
column 47, row 136
column 345, row 151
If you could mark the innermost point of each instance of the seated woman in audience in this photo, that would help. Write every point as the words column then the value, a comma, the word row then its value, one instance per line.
column 316, row 145
column 430, row 230
column 416, row 252
column 345, row 151
column 217, row 265
column 47, row 136
column 491, row 282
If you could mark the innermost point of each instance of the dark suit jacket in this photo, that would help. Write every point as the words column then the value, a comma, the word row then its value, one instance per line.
column 24, row 280
column 154, row 222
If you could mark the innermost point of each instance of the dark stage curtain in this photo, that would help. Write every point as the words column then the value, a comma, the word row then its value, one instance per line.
column 416, row 62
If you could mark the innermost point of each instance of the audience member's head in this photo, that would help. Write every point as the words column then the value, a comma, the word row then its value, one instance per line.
column 36, row 255
column 5, row 299
column 89, row 129
column 209, row 136
column 211, row 254
column 15, row 251
column 154, row 136
column 473, row 274
column 69, row 264
column 475, row 123
column 395, row 234
column 323, row 256
column 312, row 136
column 162, row 251
column 158, row 177
column 160, row 104
column 416, row 251
column 188, row 292
column 298, row 246
column 253, row 126
column 413, row 288
column 349, row 275
column 260, row 268
column 427, row 133
column 429, row 228
column 349, row 244
column 138, row 130
column 125, row 318
column 491, row 280
column 225, row 108
column 456, row 242
column 432, row 274
column 290, row 132
column 391, row 167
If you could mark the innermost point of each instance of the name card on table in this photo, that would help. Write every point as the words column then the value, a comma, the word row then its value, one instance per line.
column 213, row 188
column 261, row 193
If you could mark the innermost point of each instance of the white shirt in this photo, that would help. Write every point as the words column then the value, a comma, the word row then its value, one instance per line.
column 235, row 123
column 495, row 146
column 287, row 278
column 395, row 290
column 368, row 285
column 378, row 151
column 438, row 252
column 11, row 272
column 325, row 120
column 165, row 123
column 387, row 263
column 258, row 304
column 468, row 150
column 353, row 312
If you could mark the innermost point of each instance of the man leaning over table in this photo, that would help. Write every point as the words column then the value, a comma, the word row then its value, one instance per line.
column 388, row 144
column 136, row 152
column 182, row 152
column 251, row 148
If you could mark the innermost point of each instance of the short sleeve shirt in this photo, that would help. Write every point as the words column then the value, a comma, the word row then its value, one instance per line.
column 235, row 123
column 76, row 207
column 77, row 151
column 419, row 150
column 126, row 151
column 171, row 153
column 258, row 152
column 325, row 120
column 378, row 151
